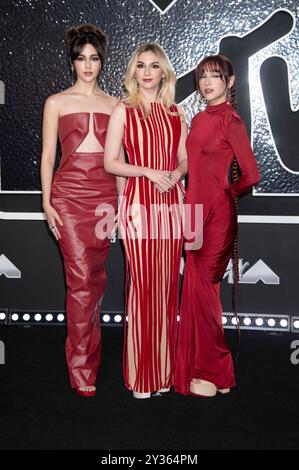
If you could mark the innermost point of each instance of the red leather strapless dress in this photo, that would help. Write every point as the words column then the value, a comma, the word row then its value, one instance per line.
column 81, row 186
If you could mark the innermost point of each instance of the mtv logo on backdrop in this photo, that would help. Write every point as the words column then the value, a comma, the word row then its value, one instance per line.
column 260, row 271
column 8, row 269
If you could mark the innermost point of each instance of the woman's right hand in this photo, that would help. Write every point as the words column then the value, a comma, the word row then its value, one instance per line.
column 53, row 218
column 161, row 179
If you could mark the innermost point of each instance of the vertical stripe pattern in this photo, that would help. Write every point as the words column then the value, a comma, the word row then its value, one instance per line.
column 151, row 228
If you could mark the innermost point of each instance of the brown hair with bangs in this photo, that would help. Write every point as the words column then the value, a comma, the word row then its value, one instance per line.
column 221, row 64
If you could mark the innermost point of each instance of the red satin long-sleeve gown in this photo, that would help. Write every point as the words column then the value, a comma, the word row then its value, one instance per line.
column 84, row 196
column 216, row 136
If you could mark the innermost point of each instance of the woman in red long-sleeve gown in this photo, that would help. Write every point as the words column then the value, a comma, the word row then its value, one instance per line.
column 80, row 198
column 217, row 136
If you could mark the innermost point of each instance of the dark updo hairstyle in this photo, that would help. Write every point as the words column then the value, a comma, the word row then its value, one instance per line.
column 221, row 64
column 78, row 36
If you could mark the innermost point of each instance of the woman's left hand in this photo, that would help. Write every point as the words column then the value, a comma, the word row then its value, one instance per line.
column 175, row 177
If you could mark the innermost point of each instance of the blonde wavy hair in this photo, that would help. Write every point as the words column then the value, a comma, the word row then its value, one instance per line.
column 166, row 91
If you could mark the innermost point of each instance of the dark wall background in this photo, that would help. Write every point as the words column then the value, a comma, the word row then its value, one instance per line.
column 262, row 40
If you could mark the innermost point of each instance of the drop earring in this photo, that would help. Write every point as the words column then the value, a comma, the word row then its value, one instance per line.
column 202, row 99
column 73, row 74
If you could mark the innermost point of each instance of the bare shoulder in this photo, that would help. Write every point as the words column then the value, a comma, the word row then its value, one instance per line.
column 53, row 100
column 52, row 107
column 119, row 109
column 56, row 102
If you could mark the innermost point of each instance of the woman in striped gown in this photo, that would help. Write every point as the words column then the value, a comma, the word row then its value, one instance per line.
column 153, row 131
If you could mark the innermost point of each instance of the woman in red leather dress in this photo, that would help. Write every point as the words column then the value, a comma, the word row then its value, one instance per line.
column 80, row 116
column 217, row 136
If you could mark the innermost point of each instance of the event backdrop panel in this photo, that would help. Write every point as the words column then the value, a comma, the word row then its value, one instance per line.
column 32, row 270
column 262, row 40
column 260, row 37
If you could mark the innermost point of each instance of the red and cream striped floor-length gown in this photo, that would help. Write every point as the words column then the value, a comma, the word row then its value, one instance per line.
column 152, row 237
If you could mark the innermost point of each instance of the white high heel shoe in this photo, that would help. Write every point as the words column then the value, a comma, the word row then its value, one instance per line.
column 202, row 388
column 163, row 390
column 141, row 395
